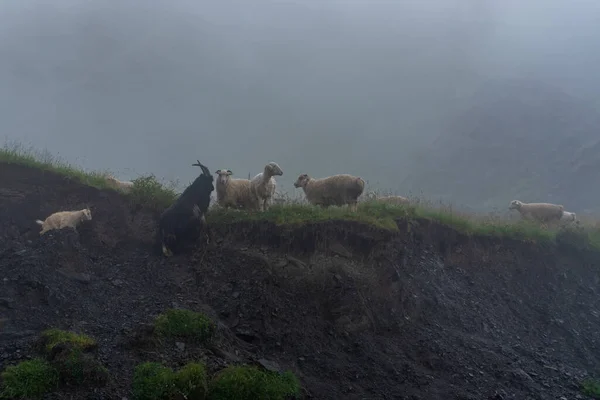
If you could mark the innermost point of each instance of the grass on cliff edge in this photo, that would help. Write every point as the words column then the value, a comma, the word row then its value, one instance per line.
column 148, row 191
column 384, row 216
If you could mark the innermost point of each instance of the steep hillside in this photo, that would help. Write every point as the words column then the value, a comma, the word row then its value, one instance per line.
column 523, row 140
column 355, row 311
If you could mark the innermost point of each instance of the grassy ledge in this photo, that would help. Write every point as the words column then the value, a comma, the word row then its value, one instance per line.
column 184, row 324
column 150, row 193
column 147, row 190
column 384, row 216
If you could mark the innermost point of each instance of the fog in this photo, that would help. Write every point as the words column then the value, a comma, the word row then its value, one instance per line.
column 321, row 87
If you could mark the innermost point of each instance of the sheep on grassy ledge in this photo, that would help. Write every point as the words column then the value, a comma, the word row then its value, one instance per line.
column 540, row 212
column 335, row 190
column 185, row 219
column 63, row 219
column 234, row 193
column 394, row 200
column 125, row 186
column 263, row 185
column 568, row 218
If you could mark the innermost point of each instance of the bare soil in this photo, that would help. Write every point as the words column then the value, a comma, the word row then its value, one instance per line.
column 355, row 312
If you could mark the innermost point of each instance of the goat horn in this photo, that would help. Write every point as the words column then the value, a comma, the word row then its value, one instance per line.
column 205, row 170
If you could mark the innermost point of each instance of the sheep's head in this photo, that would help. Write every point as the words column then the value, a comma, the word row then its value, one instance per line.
column 371, row 195
column 515, row 205
column 223, row 176
column 86, row 214
column 273, row 169
column 111, row 179
column 302, row 181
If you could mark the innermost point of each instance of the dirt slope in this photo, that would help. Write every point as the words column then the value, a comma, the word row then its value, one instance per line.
column 356, row 313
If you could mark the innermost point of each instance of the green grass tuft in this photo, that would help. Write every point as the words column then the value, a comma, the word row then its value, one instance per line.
column 153, row 381
column 184, row 324
column 249, row 383
column 77, row 368
column 28, row 379
column 53, row 337
column 147, row 190
column 190, row 381
column 591, row 388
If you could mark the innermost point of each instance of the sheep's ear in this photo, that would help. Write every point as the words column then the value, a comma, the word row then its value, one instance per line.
column 229, row 172
column 217, row 172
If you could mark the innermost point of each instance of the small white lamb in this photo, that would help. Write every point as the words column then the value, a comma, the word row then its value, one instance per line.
column 335, row 190
column 63, row 219
column 541, row 212
column 235, row 193
column 393, row 200
column 125, row 186
column 263, row 185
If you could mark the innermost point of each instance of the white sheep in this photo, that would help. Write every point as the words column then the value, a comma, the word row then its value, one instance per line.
column 125, row 186
column 235, row 193
column 263, row 185
column 63, row 219
column 541, row 212
column 394, row 200
column 334, row 190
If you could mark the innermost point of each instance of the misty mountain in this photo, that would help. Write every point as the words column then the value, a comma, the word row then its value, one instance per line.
column 519, row 139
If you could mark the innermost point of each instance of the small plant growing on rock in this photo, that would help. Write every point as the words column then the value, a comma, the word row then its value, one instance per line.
column 148, row 191
column 248, row 383
column 591, row 387
column 28, row 379
column 53, row 337
column 184, row 324
column 76, row 367
column 190, row 381
column 70, row 355
column 153, row 381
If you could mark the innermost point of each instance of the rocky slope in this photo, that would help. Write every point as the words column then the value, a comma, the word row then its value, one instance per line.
column 356, row 313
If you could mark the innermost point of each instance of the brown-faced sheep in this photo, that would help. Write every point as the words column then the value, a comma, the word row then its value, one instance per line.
column 335, row 190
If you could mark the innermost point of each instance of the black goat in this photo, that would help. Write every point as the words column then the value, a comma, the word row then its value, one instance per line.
column 184, row 220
